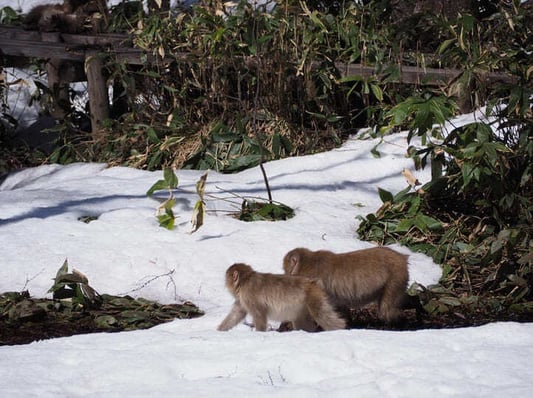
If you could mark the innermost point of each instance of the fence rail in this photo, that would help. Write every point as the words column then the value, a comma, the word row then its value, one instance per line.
column 19, row 46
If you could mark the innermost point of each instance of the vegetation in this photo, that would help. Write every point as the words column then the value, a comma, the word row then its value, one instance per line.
column 233, row 87
column 78, row 308
column 475, row 216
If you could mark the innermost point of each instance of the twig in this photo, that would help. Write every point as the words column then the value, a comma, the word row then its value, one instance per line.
column 28, row 280
column 248, row 197
column 154, row 278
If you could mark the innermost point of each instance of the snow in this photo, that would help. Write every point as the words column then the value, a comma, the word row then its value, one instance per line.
column 185, row 362
column 125, row 251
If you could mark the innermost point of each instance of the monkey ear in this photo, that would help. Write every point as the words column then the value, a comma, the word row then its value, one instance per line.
column 294, row 260
column 235, row 277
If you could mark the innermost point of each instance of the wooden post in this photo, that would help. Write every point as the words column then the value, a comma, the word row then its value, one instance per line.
column 59, row 74
column 98, row 97
column 57, row 84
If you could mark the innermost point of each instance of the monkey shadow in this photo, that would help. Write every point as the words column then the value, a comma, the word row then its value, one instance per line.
column 362, row 318
column 411, row 319
column 368, row 318
column 416, row 318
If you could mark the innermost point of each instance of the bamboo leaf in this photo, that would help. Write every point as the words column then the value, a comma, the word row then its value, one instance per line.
column 171, row 178
column 385, row 196
column 198, row 216
column 170, row 181
column 159, row 185
column 376, row 90
column 200, row 186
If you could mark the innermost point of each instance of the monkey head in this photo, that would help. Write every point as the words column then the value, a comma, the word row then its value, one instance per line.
column 235, row 275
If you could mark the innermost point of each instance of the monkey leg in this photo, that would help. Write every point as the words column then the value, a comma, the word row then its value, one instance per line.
column 285, row 326
column 322, row 311
column 260, row 321
column 390, row 302
column 305, row 322
column 236, row 315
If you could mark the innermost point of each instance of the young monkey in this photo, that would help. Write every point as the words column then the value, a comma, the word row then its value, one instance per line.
column 280, row 298
column 356, row 278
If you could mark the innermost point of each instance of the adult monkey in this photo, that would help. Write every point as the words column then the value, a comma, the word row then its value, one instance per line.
column 356, row 278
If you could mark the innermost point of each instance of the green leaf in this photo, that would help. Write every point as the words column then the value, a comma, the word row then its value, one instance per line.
column 351, row 78
column 170, row 181
column 385, row 196
column 399, row 114
column 198, row 216
column 425, row 223
column 117, row 301
column 467, row 172
column 431, row 223
column 63, row 270
column 376, row 90
column 435, row 307
column 152, row 135
column 404, row 225
column 170, row 178
column 159, row 185
column 132, row 316
column 445, row 44
column 415, row 206
column 165, row 214
column 225, row 137
column 450, row 301
column 200, row 186
column 106, row 321
column 276, row 145
column 243, row 162
column 259, row 211
column 374, row 151
column 404, row 195
column 167, row 220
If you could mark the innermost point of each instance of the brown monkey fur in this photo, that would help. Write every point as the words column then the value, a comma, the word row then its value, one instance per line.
column 280, row 298
column 68, row 17
column 356, row 278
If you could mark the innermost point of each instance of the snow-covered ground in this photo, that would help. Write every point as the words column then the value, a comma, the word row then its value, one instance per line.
column 125, row 248
column 124, row 251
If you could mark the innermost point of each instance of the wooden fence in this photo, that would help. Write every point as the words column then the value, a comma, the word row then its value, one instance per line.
column 83, row 52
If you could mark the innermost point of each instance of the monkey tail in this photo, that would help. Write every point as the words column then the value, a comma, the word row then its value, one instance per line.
column 322, row 311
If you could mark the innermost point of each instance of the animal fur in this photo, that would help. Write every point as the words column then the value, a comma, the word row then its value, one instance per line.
column 356, row 278
column 280, row 298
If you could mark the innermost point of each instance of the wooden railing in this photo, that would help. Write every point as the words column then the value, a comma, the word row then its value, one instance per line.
column 19, row 46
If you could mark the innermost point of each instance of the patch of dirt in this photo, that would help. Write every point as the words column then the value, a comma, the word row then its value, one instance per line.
column 27, row 332
column 413, row 320
column 24, row 319
column 42, row 325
